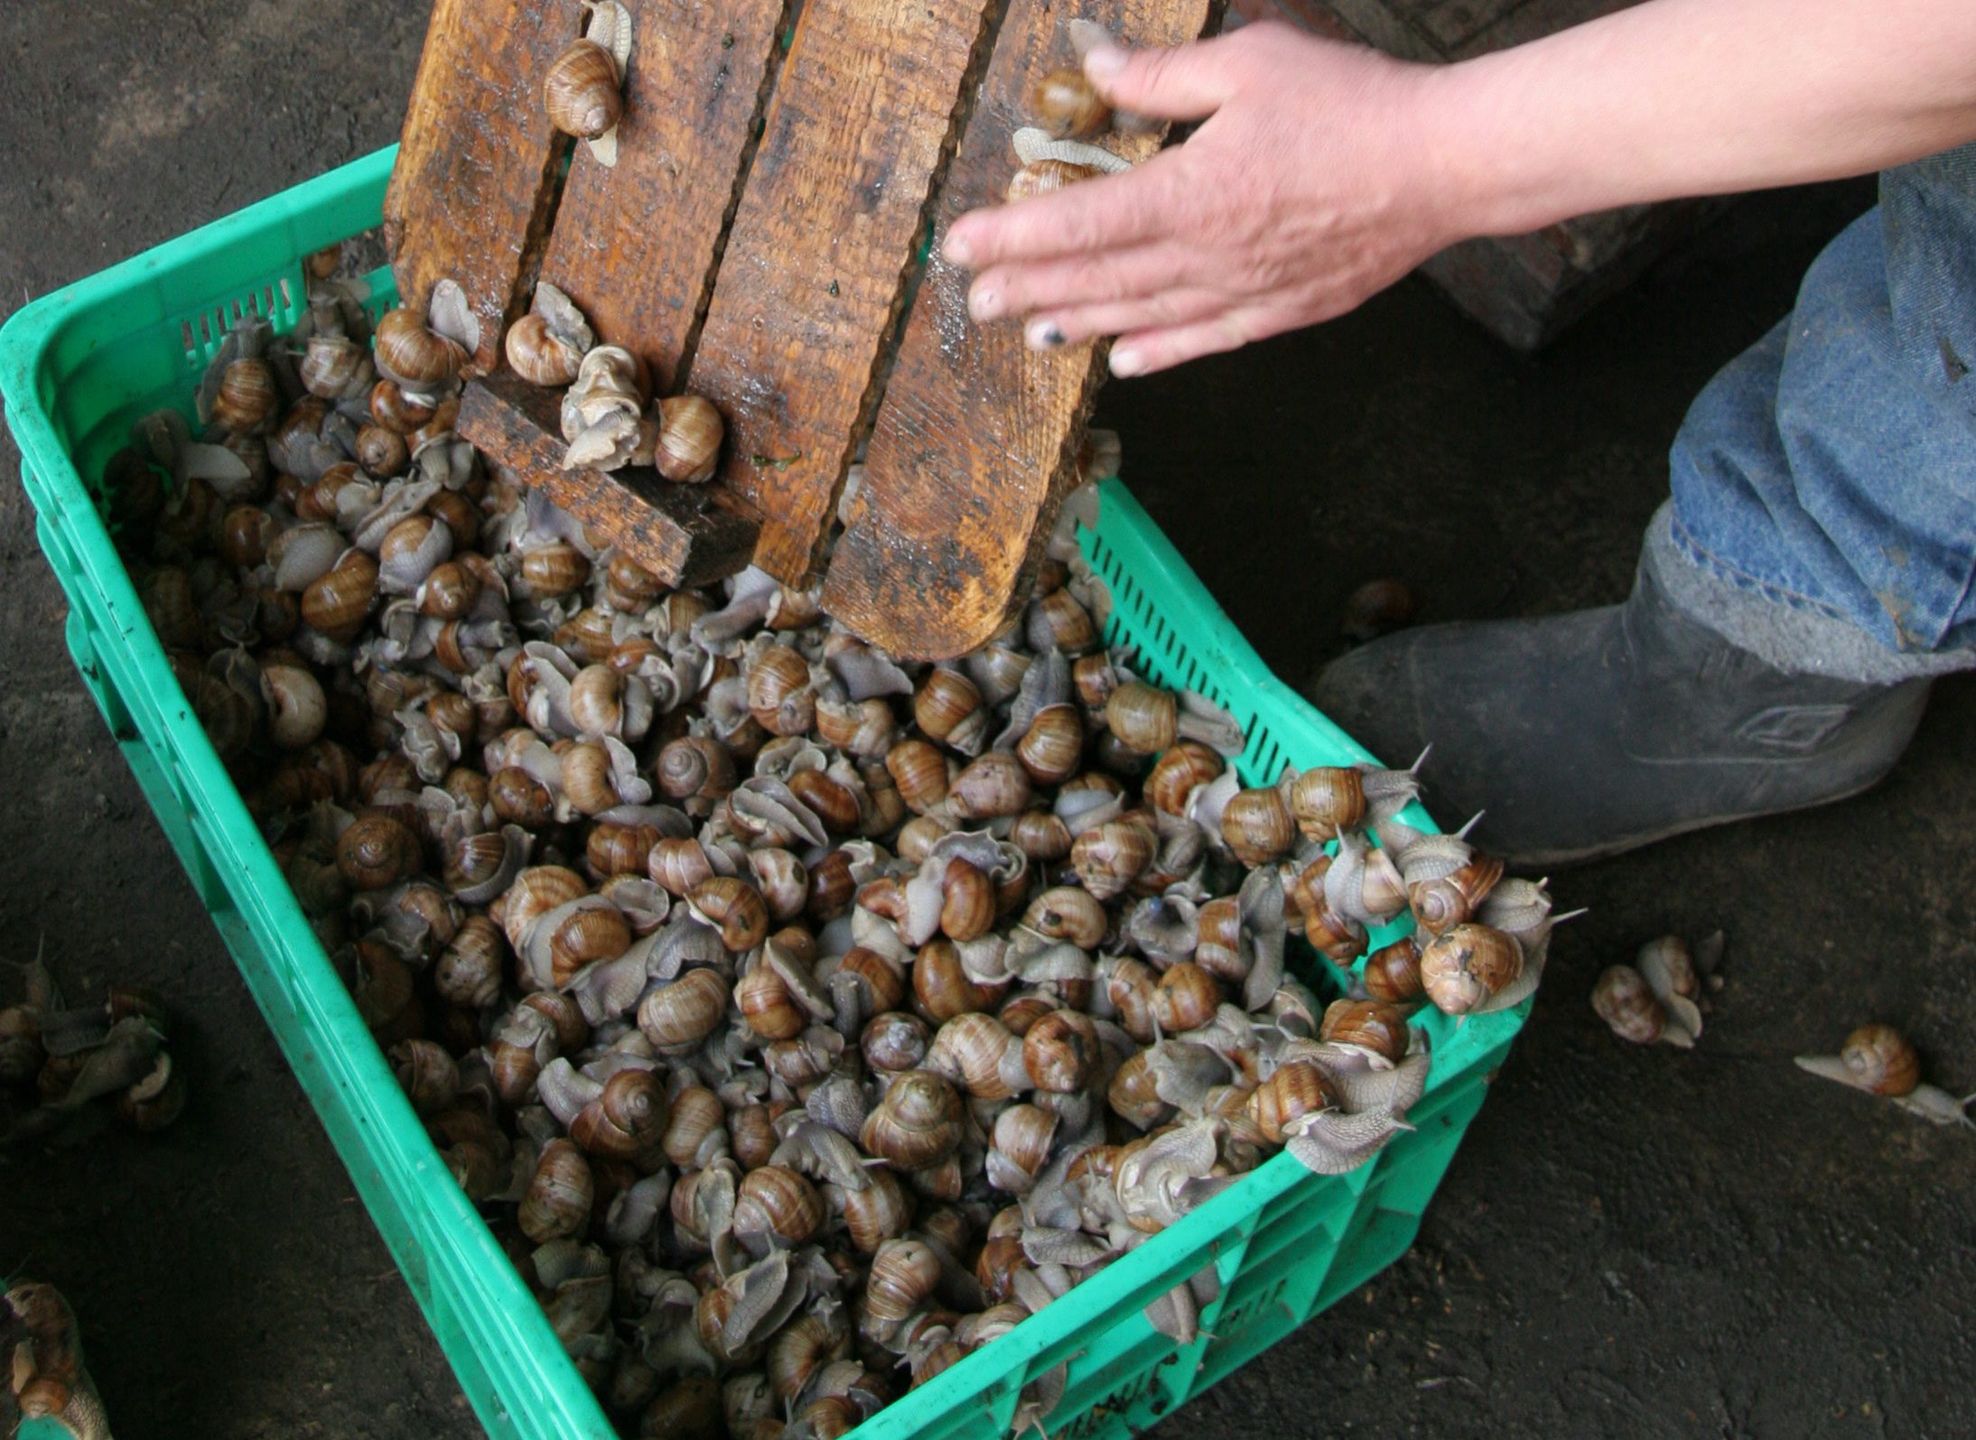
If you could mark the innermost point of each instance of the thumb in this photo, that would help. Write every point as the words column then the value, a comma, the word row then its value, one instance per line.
column 1189, row 82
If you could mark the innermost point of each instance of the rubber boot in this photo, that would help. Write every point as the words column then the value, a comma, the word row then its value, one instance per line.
column 1584, row 735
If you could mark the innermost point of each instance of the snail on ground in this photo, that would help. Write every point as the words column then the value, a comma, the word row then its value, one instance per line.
column 1879, row 1060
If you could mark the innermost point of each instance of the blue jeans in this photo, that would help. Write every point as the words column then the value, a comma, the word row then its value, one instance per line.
column 1825, row 480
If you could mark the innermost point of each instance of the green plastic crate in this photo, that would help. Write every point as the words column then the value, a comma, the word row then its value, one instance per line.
column 78, row 366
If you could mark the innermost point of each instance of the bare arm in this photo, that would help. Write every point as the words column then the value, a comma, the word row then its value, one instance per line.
column 1324, row 172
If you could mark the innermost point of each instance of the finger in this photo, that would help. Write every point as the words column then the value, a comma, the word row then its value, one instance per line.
column 1024, row 289
column 1143, row 352
column 1111, row 212
column 1188, row 82
column 1056, row 328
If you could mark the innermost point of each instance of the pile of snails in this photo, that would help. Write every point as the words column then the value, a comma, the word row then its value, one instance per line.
column 41, row 1355
column 800, row 1019
column 65, row 1069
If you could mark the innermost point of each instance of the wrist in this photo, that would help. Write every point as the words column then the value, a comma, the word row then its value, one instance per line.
column 1499, row 164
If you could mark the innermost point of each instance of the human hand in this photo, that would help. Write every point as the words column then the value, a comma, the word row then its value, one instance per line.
column 1310, row 186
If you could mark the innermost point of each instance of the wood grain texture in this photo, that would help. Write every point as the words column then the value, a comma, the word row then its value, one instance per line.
column 684, row 534
column 976, row 439
column 473, row 188
column 635, row 244
column 819, row 249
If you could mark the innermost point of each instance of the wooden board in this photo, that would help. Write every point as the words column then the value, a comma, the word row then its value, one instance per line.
column 684, row 534
column 975, row 440
column 474, row 186
column 820, row 247
column 636, row 244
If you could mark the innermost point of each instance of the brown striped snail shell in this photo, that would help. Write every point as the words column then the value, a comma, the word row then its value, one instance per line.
column 560, row 1194
column 776, row 1208
column 627, row 1120
column 582, row 92
column 1256, row 826
column 376, row 851
column 878, row 1213
column 677, row 1015
column 690, row 434
column 1372, row 1025
column 1065, row 105
column 917, row 1124
column 1293, row 1090
column 1465, row 968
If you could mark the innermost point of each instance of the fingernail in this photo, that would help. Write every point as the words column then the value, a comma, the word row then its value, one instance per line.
column 1043, row 335
column 1127, row 362
column 958, row 249
column 1104, row 62
column 984, row 304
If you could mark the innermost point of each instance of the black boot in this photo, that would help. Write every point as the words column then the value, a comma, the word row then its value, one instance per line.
column 1587, row 734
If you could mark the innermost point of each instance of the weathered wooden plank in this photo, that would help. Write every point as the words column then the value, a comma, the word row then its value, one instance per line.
column 684, row 534
column 976, row 437
column 474, row 184
column 819, row 249
column 636, row 243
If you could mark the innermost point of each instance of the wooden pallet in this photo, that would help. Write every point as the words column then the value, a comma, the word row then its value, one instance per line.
column 769, row 238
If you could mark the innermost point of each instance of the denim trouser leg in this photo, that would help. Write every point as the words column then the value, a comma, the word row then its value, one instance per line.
column 1824, row 509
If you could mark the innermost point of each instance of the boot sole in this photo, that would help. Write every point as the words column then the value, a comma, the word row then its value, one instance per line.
column 1561, row 859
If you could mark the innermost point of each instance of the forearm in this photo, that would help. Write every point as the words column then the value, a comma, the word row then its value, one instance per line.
column 1693, row 97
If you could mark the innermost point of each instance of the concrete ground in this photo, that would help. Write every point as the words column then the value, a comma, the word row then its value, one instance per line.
column 1631, row 1243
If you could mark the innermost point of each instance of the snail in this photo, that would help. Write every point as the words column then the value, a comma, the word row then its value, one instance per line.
column 583, row 89
column 1879, row 1060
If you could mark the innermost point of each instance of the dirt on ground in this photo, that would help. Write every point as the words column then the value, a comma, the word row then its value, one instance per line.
column 1631, row 1243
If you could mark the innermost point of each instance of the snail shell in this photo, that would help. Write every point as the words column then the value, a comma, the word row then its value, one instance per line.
column 627, row 1120
column 1109, row 857
column 695, row 1133
column 1293, row 1090
column 1392, row 972
column 1186, row 997
column 1045, row 177
column 879, row 1212
column 918, row 1123
column 1053, row 745
column 992, row 785
column 1327, row 799
column 1143, row 717
column 977, row 1052
column 677, row 1015
column 1372, row 1025
column 413, row 352
column 1066, row 105
column 376, row 851
column 776, row 1208
column 538, row 354
column 767, row 1006
column 581, row 91
column 1257, row 826
column 733, row 907
column 942, row 987
column 1465, row 968
column 902, row 1277
column 1629, row 1006
column 920, row 772
column 469, row 971
column 1060, row 1052
column 894, row 1041
column 1879, row 1059
column 1178, row 773
column 690, row 434
column 560, row 1194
